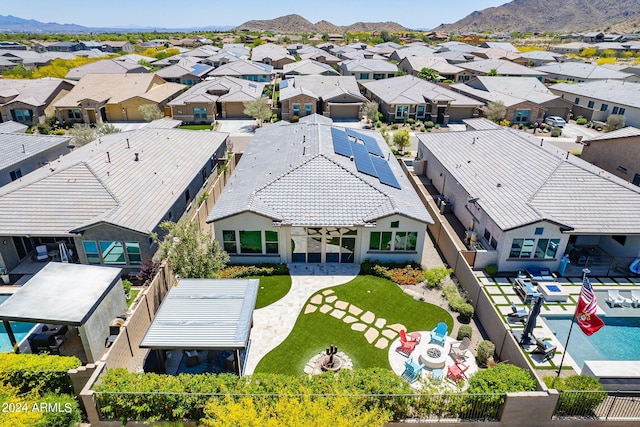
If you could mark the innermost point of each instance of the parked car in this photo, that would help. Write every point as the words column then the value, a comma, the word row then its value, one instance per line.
column 555, row 121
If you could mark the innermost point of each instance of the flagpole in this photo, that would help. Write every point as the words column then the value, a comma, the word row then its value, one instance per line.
column 585, row 271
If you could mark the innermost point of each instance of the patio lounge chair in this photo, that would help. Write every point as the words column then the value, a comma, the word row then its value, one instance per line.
column 408, row 342
column 518, row 313
column 439, row 334
column 460, row 351
column 545, row 347
column 635, row 298
column 412, row 370
column 42, row 253
column 615, row 299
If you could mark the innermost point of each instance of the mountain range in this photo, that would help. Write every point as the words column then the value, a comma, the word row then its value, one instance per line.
column 297, row 24
column 550, row 16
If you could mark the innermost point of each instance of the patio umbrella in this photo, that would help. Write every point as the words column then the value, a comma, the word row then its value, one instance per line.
column 64, row 252
column 531, row 321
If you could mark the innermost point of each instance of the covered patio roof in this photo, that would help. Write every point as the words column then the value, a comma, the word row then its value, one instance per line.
column 204, row 314
column 61, row 294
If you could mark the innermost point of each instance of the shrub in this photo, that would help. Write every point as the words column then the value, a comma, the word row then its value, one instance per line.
column 238, row 271
column 37, row 372
column 295, row 119
column 466, row 311
column 428, row 124
column 505, row 123
column 556, row 132
column 503, row 378
column 464, row 331
column 148, row 271
column 59, row 132
column 61, row 409
column 437, row 126
column 435, row 276
column 581, row 121
column 394, row 126
column 402, row 273
column 615, row 122
column 491, row 269
column 410, row 121
column 126, row 285
column 485, row 350
column 578, row 403
column 378, row 124
column 44, row 129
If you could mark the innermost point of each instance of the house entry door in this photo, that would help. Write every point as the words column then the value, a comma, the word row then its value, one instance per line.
column 323, row 244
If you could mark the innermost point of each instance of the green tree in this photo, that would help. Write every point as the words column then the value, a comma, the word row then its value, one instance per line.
column 191, row 253
column 150, row 112
column 401, row 139
column 492, row 72
column 258, row 109
column 106, row 128
column 371, row 111
column 384, row 132
column 589, row 52
column 384, row 35
column 495, row 111
column 429, row 74
column 82, row 134
column 615, row 122
column 400, row 72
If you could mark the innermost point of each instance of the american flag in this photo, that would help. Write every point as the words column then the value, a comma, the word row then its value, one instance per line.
column 586, row 310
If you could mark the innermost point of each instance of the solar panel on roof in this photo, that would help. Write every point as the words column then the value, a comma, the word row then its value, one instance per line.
column 341, row 142
column 385, row 174
column 363, row 159
column 284, row 83
column 369, row 142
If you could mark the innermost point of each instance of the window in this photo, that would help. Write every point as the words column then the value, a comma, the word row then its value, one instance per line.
column 75, row 114
column 364, row 76
column 250, row 242
column 546, row 248
column 112, row 252
column 402, row 111
column 420, row 110
column 539, row 231
column 296, row 109
column 378, row 76
column 405, row 241
column 622, row 169
column 271, row 241
column 133, row 252
column 636, row 179
column 179, row 111
column 22, row 116
column 91, row 250
column 494, row 243
column 229, row 241
column 395, row 224
column 621, row 111
column 591, row 104
column 620, row 239
column 577, row 101
column 200, row 113
column 380, row 241
column 487, row 235
column 521, row 116
column 463, row 78
column 615, row 110
column 521, row 248
column 308, row 109
column 604, row 107
column 16, row 174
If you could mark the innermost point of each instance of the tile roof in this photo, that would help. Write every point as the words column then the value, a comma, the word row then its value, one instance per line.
column 18, row 147
column 270, row 50
column 106, row 66
column 290, row 173
column 504, row 67
column 309, row 67
column 325, row 87
column 412, row 90
column 510, row 90
column 517, row 182
column 223, row 89
column 438, row 63
column 33, row 92
column 242, row 68
column 619, row 92
column 115, row 88
column 12, row 127
column 582, row 70
column 627, row 132
column 83, row 188
column 369, row 65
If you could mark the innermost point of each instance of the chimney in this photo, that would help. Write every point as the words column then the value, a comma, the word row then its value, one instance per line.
column 108, row 157
column 136, row 159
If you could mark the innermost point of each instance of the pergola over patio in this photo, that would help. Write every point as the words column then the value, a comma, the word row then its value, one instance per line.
column 84, row 296
column 204, row 314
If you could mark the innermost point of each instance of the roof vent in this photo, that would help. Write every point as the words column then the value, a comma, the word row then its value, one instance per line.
column 136, row 159
column 351, row 158
column 108, row 157
column 128, row 146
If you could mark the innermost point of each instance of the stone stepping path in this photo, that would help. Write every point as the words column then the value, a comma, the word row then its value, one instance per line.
column 375, row 329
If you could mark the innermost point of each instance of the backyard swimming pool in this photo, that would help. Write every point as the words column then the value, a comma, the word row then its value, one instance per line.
column 619, row 339
column 20, row 330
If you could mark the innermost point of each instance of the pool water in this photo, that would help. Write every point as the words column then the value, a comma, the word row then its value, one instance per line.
column 619, row 339
column 20, row 330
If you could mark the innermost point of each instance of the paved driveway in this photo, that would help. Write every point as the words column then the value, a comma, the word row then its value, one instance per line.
column 571, row 130
column 237, row 127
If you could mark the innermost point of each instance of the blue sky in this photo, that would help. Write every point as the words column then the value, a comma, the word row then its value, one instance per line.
column 191, row 13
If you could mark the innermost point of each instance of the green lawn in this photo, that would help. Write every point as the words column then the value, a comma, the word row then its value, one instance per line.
column 134, row 294
column 315, row 331
column 271, row 289
column 196, row 127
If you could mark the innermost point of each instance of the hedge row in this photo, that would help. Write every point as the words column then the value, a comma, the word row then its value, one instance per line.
column 31, row 409
column 406, row 273
column 41, row 373
column 238, row 271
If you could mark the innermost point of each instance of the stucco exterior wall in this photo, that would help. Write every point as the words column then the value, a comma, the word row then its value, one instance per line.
column 620, row 157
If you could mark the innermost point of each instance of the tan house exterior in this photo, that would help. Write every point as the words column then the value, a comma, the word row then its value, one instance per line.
column 30, row 101
column 617, row 152
column 99, row 98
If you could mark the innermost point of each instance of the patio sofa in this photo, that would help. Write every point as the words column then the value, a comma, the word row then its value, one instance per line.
column 537, row 274
column 526, row 290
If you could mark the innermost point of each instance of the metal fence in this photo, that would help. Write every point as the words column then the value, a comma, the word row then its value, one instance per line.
column 598, row 405
column 404, row 407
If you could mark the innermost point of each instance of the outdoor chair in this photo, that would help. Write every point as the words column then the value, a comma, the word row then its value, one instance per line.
column 635, row 298
column 408, row 342
column 191, row 358
column 439, row 334
column 547, row 348
column 113, row 334
column 42, row 253
column 460, row 351
column 538, row 274
column 518, row 313
column 44, row 343
column 526, row 290
column 412, row 370
column 615, row 299
column 456, row 372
